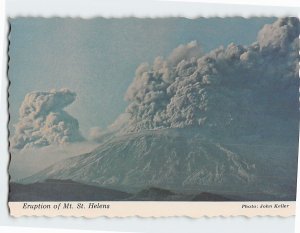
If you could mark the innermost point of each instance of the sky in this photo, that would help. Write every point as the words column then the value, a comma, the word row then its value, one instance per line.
column 97, row 58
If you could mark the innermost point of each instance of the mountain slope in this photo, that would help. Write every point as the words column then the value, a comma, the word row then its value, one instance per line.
column 68, row 190
column 63, row 190
column 181, row 160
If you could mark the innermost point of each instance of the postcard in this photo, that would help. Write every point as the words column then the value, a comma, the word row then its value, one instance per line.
column 153, row 117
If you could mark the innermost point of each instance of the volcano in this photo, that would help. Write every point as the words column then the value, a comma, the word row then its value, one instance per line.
column 183, row 160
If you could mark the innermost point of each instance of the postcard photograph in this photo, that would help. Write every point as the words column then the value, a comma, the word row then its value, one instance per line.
column 153, row 109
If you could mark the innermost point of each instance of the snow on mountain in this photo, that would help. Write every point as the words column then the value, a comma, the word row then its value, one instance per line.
column 184, row 161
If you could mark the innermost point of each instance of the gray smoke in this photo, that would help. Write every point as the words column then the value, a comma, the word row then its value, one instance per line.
column 238, row 88
column 43, row 121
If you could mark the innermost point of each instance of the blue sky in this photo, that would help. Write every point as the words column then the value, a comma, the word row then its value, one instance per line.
column 97, row 58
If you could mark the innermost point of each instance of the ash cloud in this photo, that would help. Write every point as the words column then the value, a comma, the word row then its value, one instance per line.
column 241, row 88
column 43, row 121
column 184, row 52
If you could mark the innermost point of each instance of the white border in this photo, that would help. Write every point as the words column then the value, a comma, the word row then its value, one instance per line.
column 88, row 8
column 290, row 3
column 146, row 8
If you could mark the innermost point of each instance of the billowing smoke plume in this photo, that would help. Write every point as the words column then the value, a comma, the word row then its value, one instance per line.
column 44, row 122
column 238, row 88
